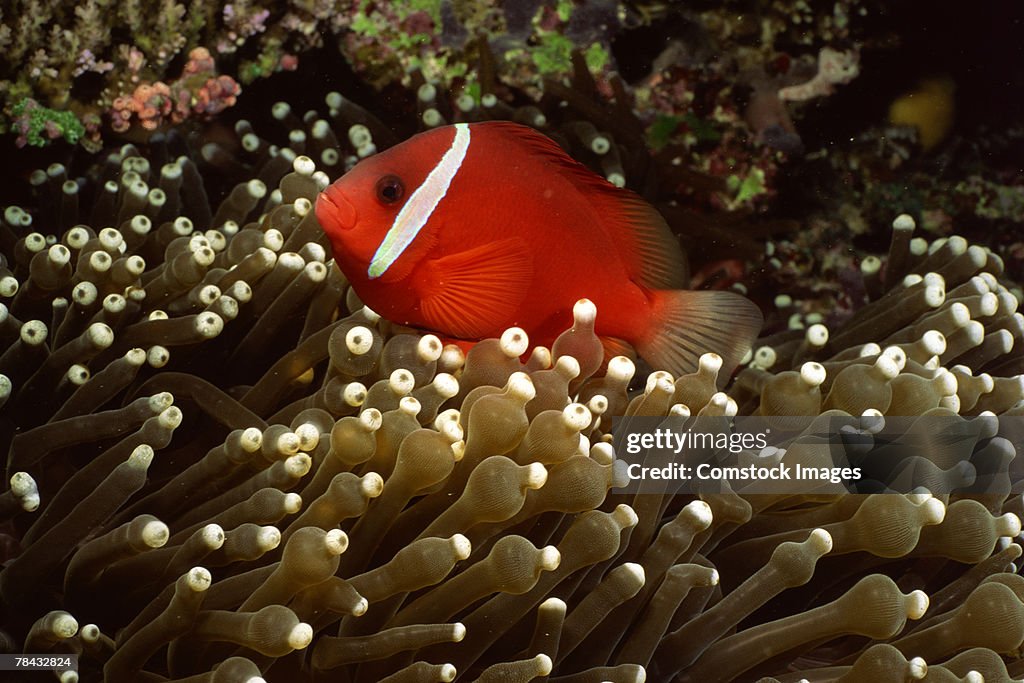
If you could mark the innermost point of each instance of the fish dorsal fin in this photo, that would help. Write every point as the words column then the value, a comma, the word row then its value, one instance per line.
column 657, row 261
column 650, row 251
column 471, row 293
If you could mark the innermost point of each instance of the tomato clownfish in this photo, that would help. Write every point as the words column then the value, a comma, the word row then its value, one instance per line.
column 467, row 230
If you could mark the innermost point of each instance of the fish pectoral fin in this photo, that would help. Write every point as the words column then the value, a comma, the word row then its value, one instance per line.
column 473, row 293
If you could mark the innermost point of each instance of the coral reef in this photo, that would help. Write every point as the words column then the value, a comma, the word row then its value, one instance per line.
column 99, row 63
column 223, row 467
column 105, row 68
column 528, row 41
column 199, row 91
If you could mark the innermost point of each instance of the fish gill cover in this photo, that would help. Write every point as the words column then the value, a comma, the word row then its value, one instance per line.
column 221, row 466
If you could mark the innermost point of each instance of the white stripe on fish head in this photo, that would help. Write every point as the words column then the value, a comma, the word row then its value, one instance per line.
column 421, row 204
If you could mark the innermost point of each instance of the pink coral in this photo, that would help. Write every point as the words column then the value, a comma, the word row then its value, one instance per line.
column 199, row 61
column 246, row 23
column 216, row 95
column 199, row 91
column 150, row 103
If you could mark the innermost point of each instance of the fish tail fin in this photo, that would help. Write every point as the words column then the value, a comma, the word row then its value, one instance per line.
column 686, row 324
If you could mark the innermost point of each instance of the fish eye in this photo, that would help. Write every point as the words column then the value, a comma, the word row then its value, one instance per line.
column 390, row 189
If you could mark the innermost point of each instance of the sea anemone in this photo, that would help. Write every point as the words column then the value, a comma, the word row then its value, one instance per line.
column 224, row 468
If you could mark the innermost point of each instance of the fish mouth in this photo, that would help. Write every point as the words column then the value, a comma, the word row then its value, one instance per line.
column 333, row 210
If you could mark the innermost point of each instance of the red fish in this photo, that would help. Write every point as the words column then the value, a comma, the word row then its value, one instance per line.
column 469, row 229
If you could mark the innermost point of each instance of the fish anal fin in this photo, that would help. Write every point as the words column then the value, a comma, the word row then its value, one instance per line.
column 650, row 251
column 613, row 346
column 691, row 323
column 472, row 293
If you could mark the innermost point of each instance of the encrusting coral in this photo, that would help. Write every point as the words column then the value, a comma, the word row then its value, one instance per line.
column 215, row 476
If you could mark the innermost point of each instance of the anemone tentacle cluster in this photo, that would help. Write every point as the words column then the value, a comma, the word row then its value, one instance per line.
column 223, row 467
